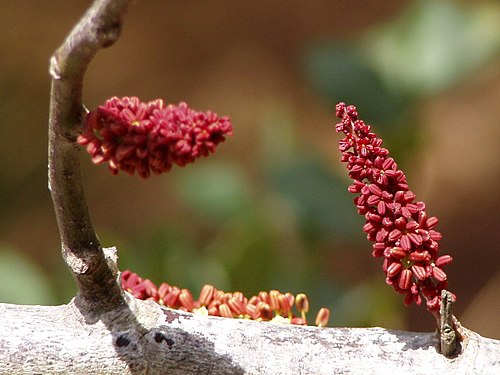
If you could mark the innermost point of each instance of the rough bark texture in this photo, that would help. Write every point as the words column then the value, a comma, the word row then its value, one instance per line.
column 145, row 338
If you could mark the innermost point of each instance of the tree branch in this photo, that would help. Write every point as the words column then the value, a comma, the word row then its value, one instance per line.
column 147, row 338
column 99, row 28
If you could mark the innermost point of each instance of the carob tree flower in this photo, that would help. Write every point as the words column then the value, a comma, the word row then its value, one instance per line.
column 266, row 306
column 398, row 225
column 131, row 135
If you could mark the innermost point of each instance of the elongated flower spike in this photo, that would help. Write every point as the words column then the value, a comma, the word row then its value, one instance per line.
column 131, row 135
column 273, row 306
column 401, row 232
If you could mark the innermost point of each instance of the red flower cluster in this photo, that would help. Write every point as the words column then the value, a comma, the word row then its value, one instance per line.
column 272, row 306
column 150, row 137
column 398, row 225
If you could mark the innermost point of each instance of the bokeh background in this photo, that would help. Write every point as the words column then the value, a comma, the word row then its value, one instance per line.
column 270, row 209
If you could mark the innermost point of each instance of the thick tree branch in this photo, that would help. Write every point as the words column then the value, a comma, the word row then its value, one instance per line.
column 146, row 338
column 100, row 27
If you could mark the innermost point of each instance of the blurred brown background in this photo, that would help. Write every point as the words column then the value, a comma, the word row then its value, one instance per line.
column 270, row 209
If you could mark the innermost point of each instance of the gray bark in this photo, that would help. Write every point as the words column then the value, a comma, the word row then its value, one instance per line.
column 146, row 338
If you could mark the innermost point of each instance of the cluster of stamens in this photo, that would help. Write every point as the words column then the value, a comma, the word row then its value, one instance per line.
column 131, row 135
column 266, row 306
column 398, row 225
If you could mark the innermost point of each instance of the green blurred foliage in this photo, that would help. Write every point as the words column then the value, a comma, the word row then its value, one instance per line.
column 218, row 198
column 342, row 72
column 429, row 47
column 317, row 196
column 24, row 281
column 433, row 45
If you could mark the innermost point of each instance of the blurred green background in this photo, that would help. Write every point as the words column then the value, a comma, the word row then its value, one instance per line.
column 270, row 210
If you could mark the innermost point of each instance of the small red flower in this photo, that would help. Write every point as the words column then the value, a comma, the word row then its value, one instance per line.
column 131, row 135
column 397, row 224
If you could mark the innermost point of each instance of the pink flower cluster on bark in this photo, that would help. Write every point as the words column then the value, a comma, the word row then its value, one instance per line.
column 131, row 135
column 266, row 306
column 398, row 225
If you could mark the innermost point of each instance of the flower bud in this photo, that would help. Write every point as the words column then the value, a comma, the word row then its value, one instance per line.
column 443, row 260
column 172, row 298
column 265, row 311
column 206, row 294
column 419, row 272
column 322, row 317
column 274, row 303
column 393, row 269
column 286, row 302
column 404, row 281
column 439, row 274
column 225, row 311
column 236, row 306
column 186, row 299
column 302, row 303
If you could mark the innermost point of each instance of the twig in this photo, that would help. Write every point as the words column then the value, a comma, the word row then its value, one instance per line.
column 99, row 28
column 450, row 330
